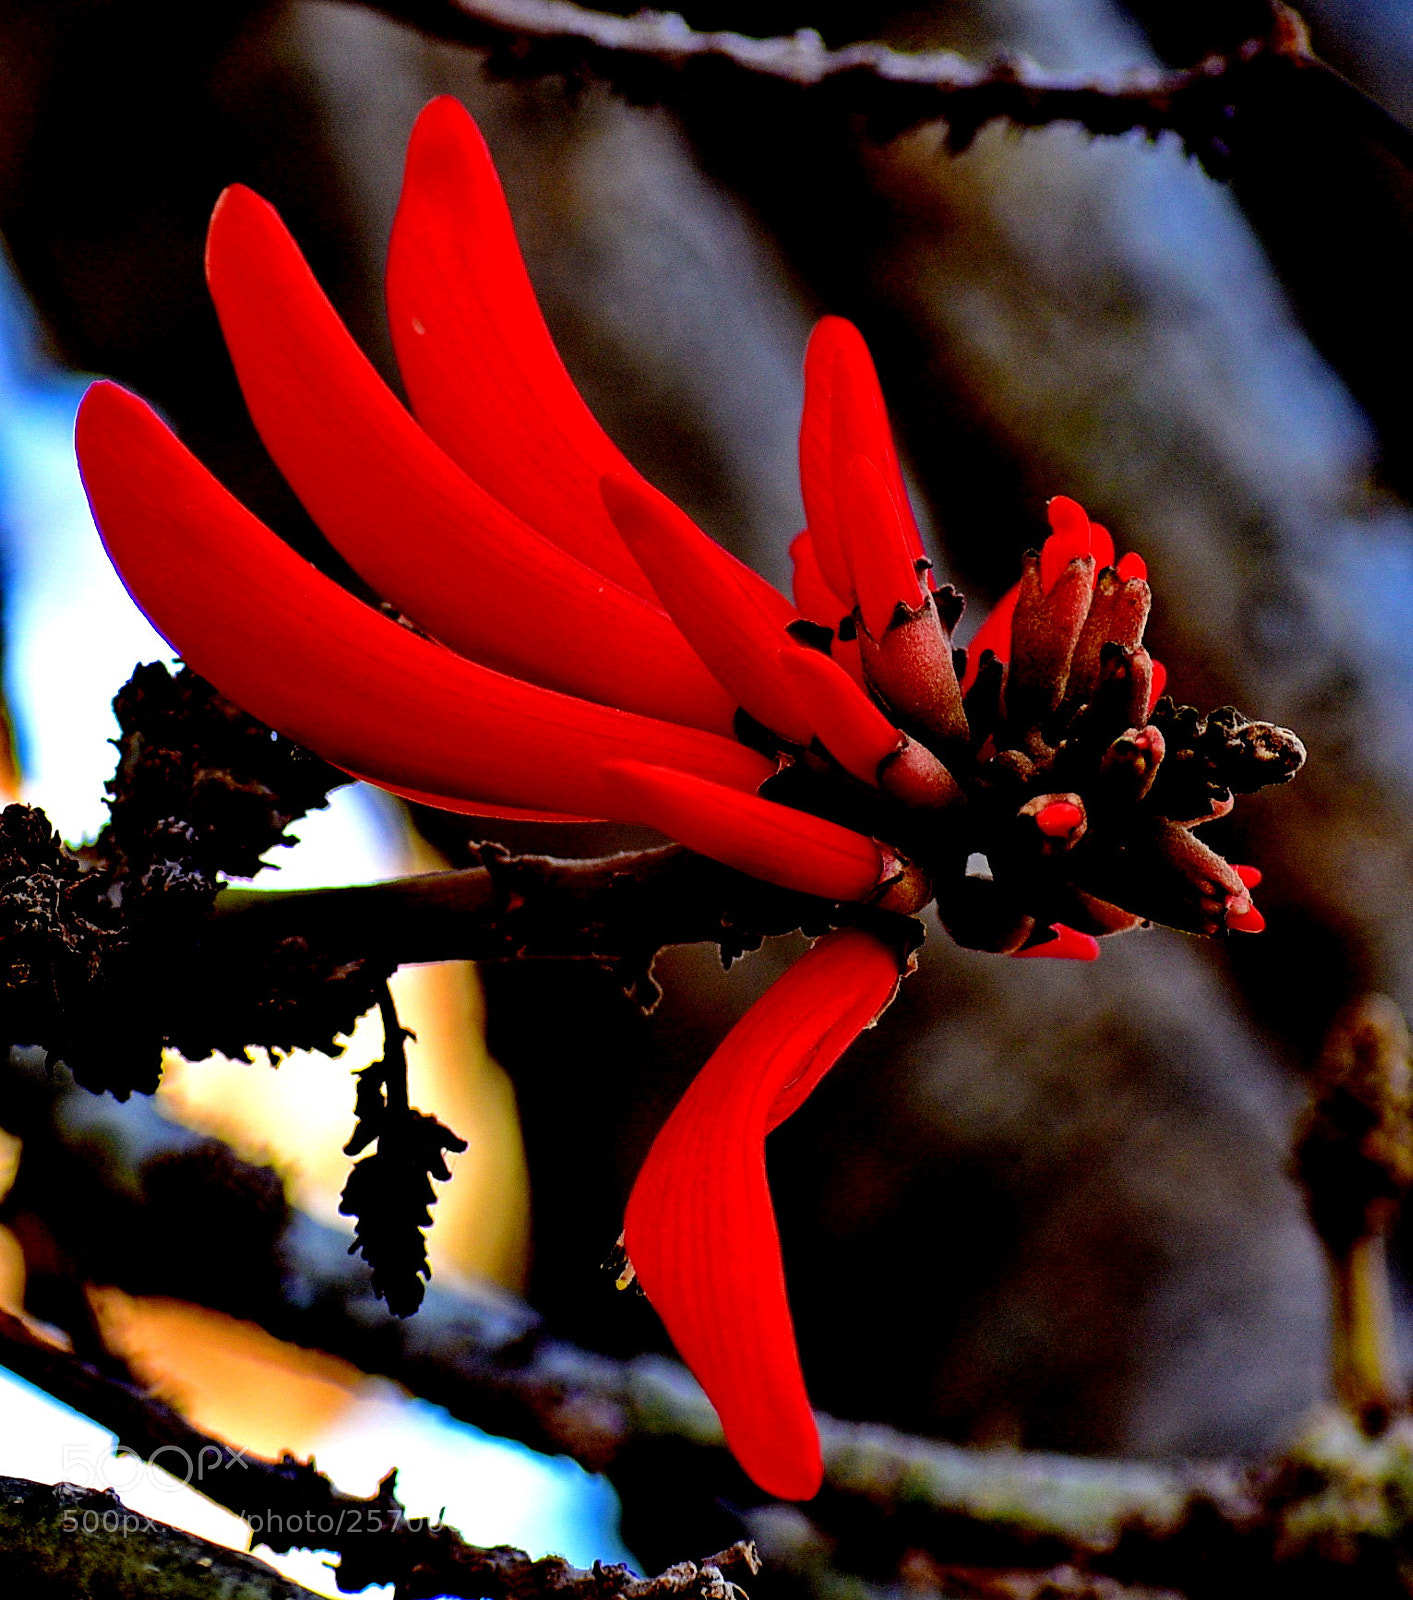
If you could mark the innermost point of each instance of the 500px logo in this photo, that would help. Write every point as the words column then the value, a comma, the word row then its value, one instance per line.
column 114, row 1521
column 167, row 1469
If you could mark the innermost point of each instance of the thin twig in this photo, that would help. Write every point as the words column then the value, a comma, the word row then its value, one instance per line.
column 657, row 56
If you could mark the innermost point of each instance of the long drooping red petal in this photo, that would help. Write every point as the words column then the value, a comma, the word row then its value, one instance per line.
column 735, row 630
column 480, row 367
column 756, row 836
column 294, row 649
column 700, row 1229
column 408, row 518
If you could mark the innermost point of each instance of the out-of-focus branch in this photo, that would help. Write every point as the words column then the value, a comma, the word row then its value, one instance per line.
column 290, row 1505
column 106, row 1191
column 60, row 1539
column 657, row 55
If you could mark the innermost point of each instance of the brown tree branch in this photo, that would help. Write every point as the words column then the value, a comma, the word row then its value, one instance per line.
column 289, row 1504
column 657, row 56
column 60, row 1540
column 117, row 1194
column 619, row 910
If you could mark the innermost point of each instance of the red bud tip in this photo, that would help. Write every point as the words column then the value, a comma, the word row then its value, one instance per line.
column 1250, row 876
column 1069, row 539
column 1067, row 945
column 1159, row 683
column 1248, row 921
column 1101, row 547
column 1132, row 566
column 1241, row 914
column 1058, row 819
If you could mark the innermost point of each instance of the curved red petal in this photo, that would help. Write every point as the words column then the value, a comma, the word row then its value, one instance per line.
column 481, row 370
column 994, row 635
column 1101, row 547
column 860, row 422
column 817, row 462
column 700, row 1229
column 470, row 808
column 813, row 596
column 1159, row 683
column 407, row 517
column 848, row 724
column 1250, row 876
column 877, row 546
column 769, row 841
column 735, row 630
column 1067, row 945
column 294, row 649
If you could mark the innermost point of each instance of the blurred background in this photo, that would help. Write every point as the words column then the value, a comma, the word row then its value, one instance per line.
column 1040, row 1204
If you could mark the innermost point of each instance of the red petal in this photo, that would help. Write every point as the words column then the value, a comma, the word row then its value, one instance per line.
column 1101, row 547
column 1160, row 682
column 1067, row 945
column 817, row 462
column 846, row 653
column 848, row 724
column 1070, row 537
column 472, row 808
column 813, row 596
column 1250, row 876
column 1133, row 566
column 860, row 420
column 994, row 635
column 726, row 621
column 480, row 367
column 758, row 837
column 876, row 543
column 408, row 519
column 294, row 649
column 700, row 1229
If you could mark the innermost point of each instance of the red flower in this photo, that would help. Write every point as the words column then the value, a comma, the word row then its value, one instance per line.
column 577, row 646
column 700, row 1230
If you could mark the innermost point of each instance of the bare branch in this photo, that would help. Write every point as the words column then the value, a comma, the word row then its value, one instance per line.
column 61, row 1539
column 619, row 910
column 657, row 56
column 289, row 1505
